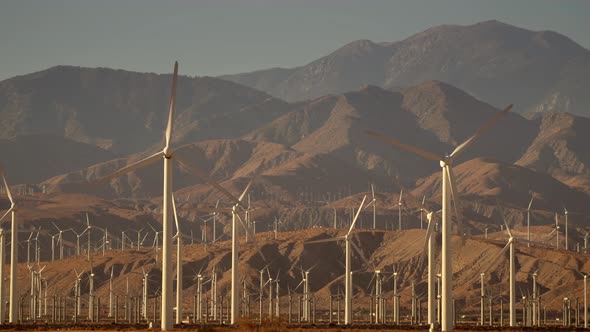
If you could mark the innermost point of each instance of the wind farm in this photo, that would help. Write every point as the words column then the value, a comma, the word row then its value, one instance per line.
column 438, row 182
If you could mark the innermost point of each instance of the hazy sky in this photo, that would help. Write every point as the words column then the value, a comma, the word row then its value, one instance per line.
column 219, row 37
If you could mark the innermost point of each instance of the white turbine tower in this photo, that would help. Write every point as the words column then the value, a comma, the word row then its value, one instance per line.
column 429, row 248
column 179, row 275
column 2, row 290
column 347, row 274
column 13, row 311
column 111, row 293
column 448, row 187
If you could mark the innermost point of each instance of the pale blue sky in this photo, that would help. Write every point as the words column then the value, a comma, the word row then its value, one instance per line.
column 218, row 37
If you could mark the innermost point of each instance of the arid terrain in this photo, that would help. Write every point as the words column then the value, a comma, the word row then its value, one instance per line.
column 304, row 130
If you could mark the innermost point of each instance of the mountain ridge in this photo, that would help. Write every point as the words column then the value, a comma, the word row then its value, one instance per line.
column 494, row 61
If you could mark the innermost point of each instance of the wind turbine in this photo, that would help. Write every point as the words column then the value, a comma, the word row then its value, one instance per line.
column 166, row 154
column 509, row 246
column 348, row 283
column 77, row 291
column 28, row 241
column 215, row 222
column 565, row 230
column 60, row 240
column 306, row 291
column 261, row 290
column 237, row 202
column 13, row 311
column 78, row 236
column 88, row 228
column 156, row 243
column 372, row 203
column 528, row 220
column 91, row 294
column 422, row 212
column 448, row 187
column 37, row 252
column 556, row 231
column 399, row 207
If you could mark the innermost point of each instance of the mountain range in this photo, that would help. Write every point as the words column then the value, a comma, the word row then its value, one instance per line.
column 82, row 123
column 306, row 127
column 538, row 71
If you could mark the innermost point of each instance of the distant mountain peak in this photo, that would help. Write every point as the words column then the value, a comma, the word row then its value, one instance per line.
column 497, row 62
column 358, row 47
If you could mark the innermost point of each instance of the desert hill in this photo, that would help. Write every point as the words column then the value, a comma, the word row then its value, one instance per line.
column 121, row 111
column 387, row 251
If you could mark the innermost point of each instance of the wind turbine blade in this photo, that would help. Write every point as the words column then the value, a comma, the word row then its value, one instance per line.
column 370, row 283
column 485, row 127
column 208, row 209
column 409, row 148
column 171, row 108
column 504, row 220
column 531, row 202
column 335, row 239
column 242, row 223
column 360, row 253
column 368, row 205
column 256, row 173
column 203, row 176
column 312, row 267
column 7, row 213
column 175, row 215
column 358, row 212
column 373, row 191
column 298, row 285
column 456, row 204
column 401, row 194
column 54, row 225
column 8, row 192
column 496, row 257
column 429, row 231
column 142, row 163
column 408, row 192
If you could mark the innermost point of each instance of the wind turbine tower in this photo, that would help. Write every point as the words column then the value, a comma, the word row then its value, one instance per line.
column 448, row 191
